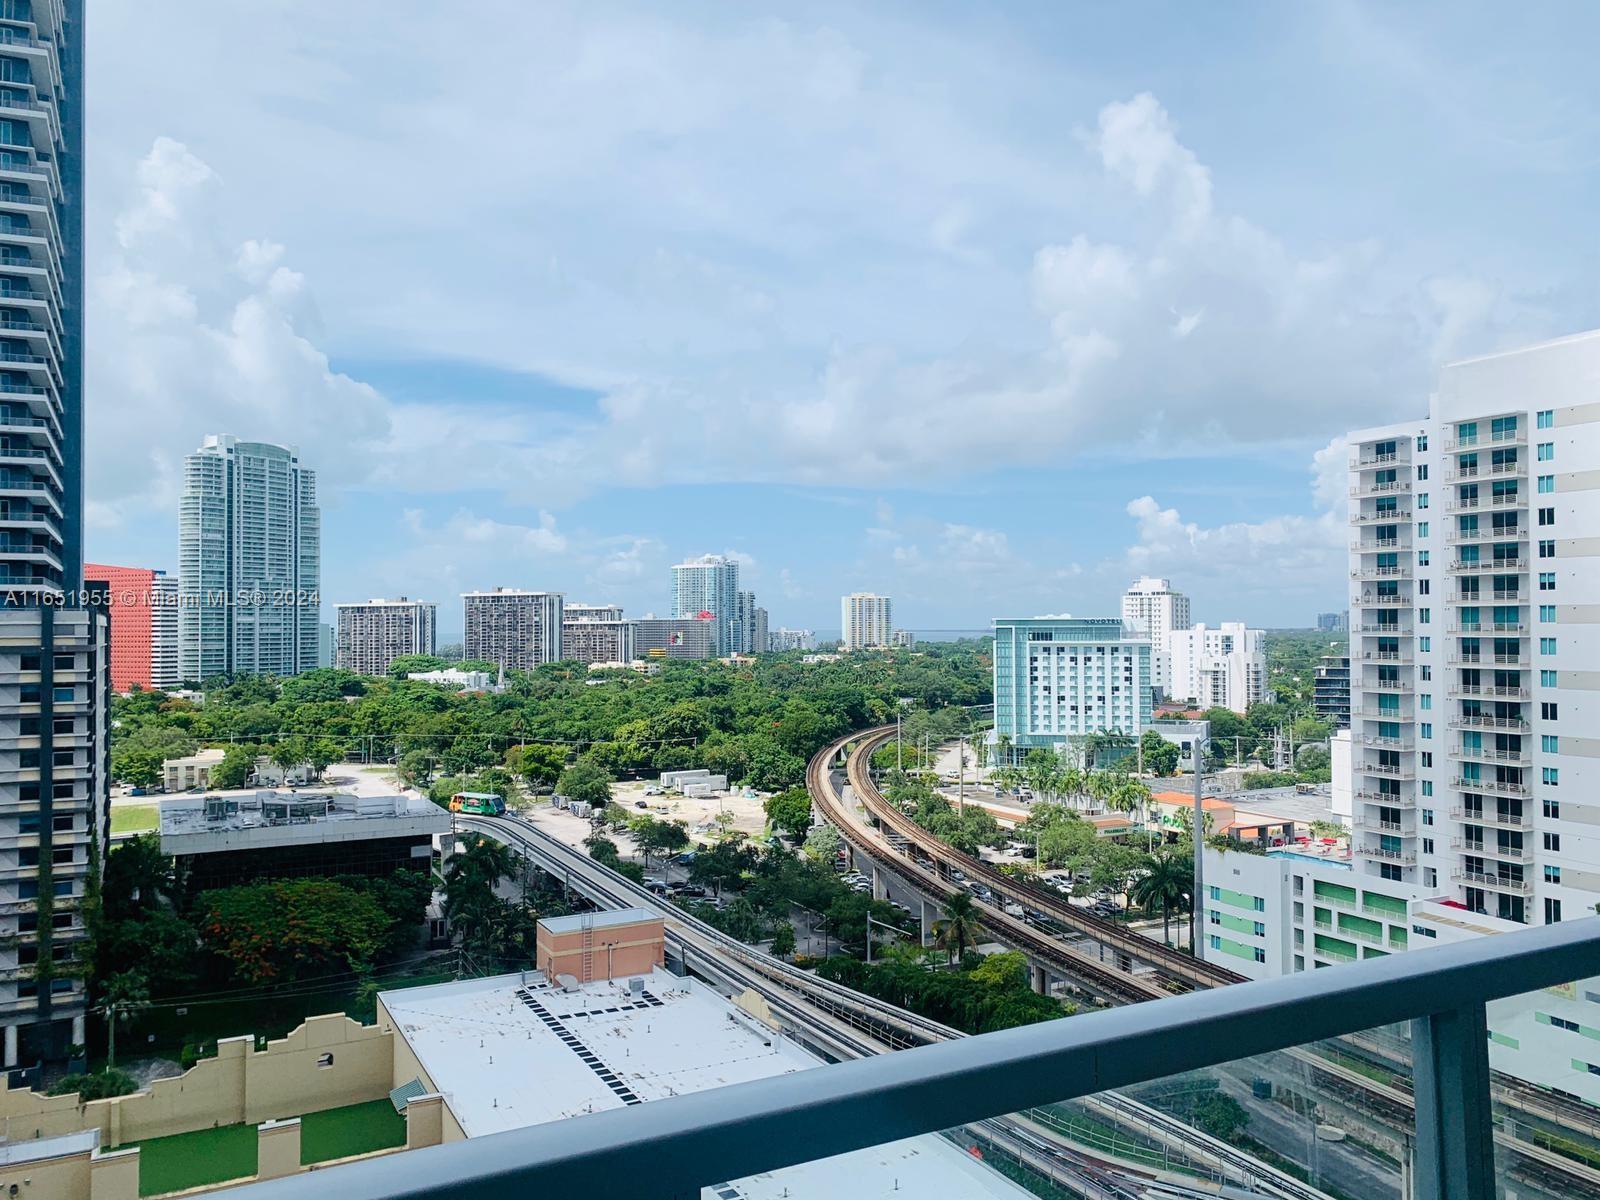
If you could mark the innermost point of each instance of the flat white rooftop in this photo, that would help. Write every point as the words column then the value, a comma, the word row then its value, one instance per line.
column 221, row 821
column 608, row 919
column 514, row 1051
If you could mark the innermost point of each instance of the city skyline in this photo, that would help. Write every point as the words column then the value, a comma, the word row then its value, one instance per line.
column 498, row 426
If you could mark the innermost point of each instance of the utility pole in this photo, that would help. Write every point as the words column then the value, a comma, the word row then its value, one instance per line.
column 1199, row 837
column 899, row 746
column 961, row 776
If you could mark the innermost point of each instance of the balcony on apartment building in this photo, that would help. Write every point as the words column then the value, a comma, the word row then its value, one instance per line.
column 684, row 1144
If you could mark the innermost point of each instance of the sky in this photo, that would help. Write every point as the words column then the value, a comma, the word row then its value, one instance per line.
column 989, row 308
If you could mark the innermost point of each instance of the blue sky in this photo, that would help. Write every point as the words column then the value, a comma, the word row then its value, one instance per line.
column 987, row 308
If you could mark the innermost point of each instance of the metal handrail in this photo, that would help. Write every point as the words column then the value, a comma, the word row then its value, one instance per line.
column 677, row 1146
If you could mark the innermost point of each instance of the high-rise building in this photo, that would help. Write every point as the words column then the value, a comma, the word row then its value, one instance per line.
column 1474, row 642
column 373, row 633
column 865, row 619
column 516, row 629
column 249, row 562
column 54, row 664
column 596, row 633
column 1330, row 689
column 1151, row 608
column 142, row 605
column 779, row 640
column 752, row 624
column 1061, row 678
column 1333, row 622
column 674, row 637
column 1224, row 667
column 707, row 589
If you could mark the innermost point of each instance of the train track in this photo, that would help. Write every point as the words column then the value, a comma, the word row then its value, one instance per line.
column 870, row 1026
column 1175, row 965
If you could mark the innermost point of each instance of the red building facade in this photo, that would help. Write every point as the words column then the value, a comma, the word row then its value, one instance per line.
column 132, row 626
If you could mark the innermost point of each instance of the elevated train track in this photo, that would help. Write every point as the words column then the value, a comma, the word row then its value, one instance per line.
column 1176, row 968
column 853, row 1025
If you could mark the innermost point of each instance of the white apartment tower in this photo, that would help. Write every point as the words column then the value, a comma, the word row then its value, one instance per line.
column 1151, row 608
column 707, row 589
column 1475, row 637
column 164, row 632
column 866, row 620
column 1224, row 667
column 373, row 633
column 517, row 630
column 249, row 562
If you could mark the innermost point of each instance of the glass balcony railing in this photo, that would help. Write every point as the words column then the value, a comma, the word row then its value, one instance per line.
column 1367, row 1074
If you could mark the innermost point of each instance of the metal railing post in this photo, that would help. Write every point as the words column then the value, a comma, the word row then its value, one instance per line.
column 1454, row 1157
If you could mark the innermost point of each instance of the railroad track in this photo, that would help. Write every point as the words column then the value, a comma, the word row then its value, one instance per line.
column 886, row 1027
column 1175, row 965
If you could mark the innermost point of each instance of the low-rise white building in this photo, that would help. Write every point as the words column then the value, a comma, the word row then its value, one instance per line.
column 1285, row 911
column 518, row 1050
column 466, row 681
column 191, row 771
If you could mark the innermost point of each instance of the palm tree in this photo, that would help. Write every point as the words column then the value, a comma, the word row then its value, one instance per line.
column 958, row 932
column 474, row 873
column 1169, row 882
column 1072, row 781
column 1102, row 785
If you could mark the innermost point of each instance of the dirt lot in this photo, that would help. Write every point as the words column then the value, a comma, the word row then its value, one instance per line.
column 698, row 813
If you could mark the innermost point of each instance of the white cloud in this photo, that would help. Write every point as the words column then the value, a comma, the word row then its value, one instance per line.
column 1243, row 567
column 765, row 237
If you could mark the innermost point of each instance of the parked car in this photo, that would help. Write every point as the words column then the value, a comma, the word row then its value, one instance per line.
column 652, row 791
column 640, row 804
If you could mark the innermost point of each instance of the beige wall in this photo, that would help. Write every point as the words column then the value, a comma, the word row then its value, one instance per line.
column 406, row 1067
column 83, row 1176
column 239, row 1086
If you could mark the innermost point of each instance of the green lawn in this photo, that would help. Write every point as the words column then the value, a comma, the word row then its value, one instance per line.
column 134, row 818
column 355, row 1129
column 187, row 1160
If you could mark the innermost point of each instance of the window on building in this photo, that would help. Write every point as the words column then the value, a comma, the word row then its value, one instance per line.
column 1550, row 776
column 1430, row 878
column 1552, row 910
column 1422, row 441
column 1427, row 758
column 1547, row 548
column 1547, row 484
column 1552, row 842
column 1547, row 678
column 1545, row 418
column 1427, row 787
column 1422, row 558
column 1549, row 710
column 1547, row 614
column 1427, row 730
column 1552, row 809
column 1425, row 701
column 1547, row 516
column 1427, row 816
column 1547, row 645
column 1547, row 451
column 1422, row 529
column 1547, row 581
column 1425, row 644
column 1422, row 499
column 1424, row 616
column 1552, row 873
